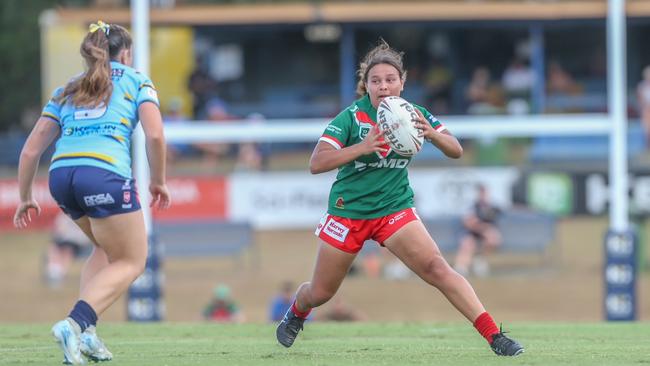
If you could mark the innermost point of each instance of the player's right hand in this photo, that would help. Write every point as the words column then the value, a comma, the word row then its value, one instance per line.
column 22, row 216
column 160, row 196
column 374, row 141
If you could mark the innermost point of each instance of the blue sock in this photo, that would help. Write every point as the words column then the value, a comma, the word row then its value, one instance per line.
column 83, row 314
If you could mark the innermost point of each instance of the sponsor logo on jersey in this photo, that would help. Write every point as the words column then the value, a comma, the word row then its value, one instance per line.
column 152, row 93
column 340, row 203
column 105, row 129
column 116, row 74
column 83, row 114
column 383, row 163
column 365, row 123
column 99, row 199
column 335, row 130
column 126, row 185
column 437, row 125
column 336, row 230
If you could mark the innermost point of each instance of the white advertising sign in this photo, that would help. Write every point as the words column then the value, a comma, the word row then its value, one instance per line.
column 441, row 192
column 298, row 199
column 279, row 200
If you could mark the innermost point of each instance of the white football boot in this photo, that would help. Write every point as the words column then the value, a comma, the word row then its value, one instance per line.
column 67, row 334
column 93, row 347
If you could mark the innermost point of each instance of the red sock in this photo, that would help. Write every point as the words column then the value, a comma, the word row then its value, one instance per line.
column 486, row 326
column 300, row 314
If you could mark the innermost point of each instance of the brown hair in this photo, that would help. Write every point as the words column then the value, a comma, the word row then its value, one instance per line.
column 381, row 54
column 94, row 87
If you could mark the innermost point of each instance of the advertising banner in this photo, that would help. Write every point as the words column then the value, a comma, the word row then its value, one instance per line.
column 551, row 193
column 443, row 192
column 192, row 198
column 299, row 199
column 195, row 198
column 10, row 198
column 279, row 200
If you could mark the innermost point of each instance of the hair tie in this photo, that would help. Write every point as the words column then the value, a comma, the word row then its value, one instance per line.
column 106, row 28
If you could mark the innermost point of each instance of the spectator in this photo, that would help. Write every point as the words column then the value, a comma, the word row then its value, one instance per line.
column 518, row 79
column 217, row 112
column 249, row 154
column 483, row 97
column 174, row 114
column 482, row 235
column 202, row 86
column 517, row 82
column 281, row 302
column 222, row 308
column 437, row 82
column 560, row 81
column 643, row 99
column 68, row 243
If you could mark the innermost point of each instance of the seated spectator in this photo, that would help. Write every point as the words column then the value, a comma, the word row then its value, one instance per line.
column 68, row 243
column 482, row 95
column 214, row 152
column 437, row 82
column 281, row 302
column 482, row 236
column 174, row 114
column 517, row 81
column 222, row 308
column 559, row 81
column 249, row 154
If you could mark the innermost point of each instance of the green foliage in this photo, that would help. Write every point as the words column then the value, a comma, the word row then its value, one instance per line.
column 19, row 58
column 370, row 344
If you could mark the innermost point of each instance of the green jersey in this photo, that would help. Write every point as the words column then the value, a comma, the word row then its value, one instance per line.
column 372, row 185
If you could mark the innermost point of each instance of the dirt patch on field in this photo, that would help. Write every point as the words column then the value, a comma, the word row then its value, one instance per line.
column 568, row 287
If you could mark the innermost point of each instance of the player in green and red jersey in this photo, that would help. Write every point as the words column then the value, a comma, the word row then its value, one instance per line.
column 372, row 199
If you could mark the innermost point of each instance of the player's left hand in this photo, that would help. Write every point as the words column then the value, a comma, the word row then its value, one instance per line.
column 424, row 126
column 22, row 216
column 160, row 196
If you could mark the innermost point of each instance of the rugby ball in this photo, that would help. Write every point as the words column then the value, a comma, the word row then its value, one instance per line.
column 397, row 118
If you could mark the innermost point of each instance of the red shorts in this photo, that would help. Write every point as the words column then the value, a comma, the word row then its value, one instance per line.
column 349, row 235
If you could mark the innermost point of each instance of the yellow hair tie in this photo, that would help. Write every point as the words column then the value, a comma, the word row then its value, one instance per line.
column 106, row 28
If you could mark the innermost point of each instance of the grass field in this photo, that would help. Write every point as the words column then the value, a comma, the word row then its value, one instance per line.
column 341, row 344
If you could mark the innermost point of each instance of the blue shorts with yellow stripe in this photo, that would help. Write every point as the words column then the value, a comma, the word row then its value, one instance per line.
column 91, row 191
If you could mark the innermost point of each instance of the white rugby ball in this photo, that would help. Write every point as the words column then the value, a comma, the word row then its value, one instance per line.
column 397, row 117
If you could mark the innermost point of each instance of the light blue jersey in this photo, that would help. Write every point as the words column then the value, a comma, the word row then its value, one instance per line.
column 101, row 137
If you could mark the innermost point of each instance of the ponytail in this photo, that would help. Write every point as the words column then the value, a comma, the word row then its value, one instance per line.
column 94, row 87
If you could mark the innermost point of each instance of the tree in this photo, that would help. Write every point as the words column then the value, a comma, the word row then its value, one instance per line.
column 20, row 86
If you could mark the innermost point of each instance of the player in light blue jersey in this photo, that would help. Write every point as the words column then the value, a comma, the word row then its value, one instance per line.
column 92, row 119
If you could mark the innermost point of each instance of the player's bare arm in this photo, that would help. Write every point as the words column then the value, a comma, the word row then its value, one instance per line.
column 39, row 139
column 444, row 140
column 325, row 157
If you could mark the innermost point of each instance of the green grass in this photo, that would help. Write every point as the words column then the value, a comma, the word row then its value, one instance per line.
column 340, row 344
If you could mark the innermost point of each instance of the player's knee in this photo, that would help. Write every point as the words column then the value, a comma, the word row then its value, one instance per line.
column 436, row 271
column 136, row 268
